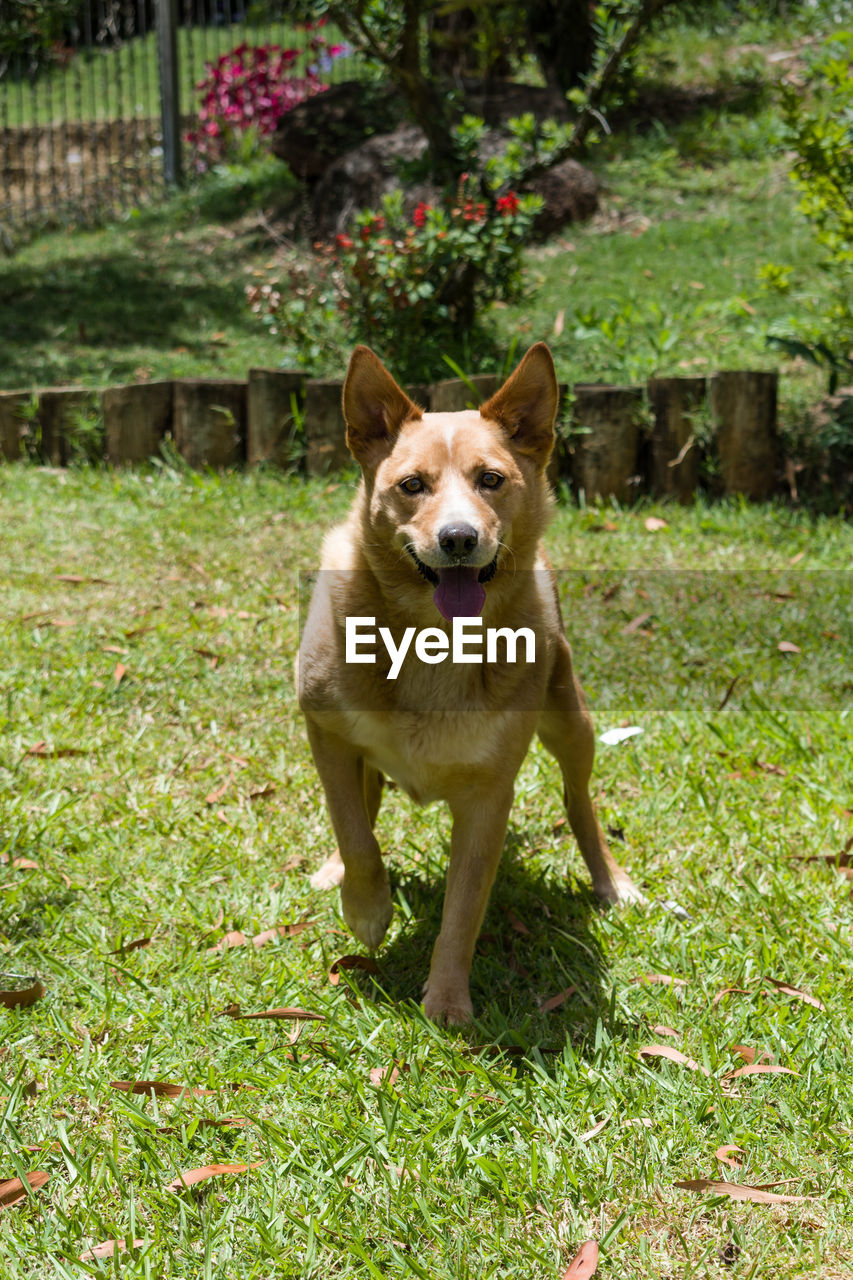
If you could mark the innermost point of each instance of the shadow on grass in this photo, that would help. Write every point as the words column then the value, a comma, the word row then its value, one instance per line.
column 537, row 942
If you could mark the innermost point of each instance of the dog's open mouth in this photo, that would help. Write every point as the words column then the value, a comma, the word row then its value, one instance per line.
column 459, row 589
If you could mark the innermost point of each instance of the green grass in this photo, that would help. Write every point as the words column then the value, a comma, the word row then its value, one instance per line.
column 156, row 829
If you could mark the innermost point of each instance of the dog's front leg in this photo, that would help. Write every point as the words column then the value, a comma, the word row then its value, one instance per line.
column 365, row 894
column 479, row 826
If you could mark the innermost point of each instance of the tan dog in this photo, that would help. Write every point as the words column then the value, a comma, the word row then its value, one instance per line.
column 446, row 526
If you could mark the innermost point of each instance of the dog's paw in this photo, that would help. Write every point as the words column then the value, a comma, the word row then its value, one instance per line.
column 367, row 909
column 330, row 874
column 619, row 890
column 449, row 1004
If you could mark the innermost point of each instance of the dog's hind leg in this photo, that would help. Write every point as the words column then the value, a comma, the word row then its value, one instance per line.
column 565, row 729
column 365, row 895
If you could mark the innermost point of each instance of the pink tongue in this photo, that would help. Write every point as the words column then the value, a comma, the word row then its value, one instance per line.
column 459, row 594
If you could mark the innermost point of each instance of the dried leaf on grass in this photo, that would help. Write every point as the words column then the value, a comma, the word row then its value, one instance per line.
column 840, row 862
column 726, row 1155
column 738, row 1191
column 730, row 991
column 787, row 646
column 13, row 1191
column 233, row 1011
column 660, row 1029
column 365, row 963
column 391, row 1072
column 159, row 1088
column 136, row 944
column 236, row 938
column 190, row 1177
column 22, row 997
column 554, row 1002
column 108, row 1248
column 594, row 1131
column 654, row 524
column 42, row 751
column 758, row 1069
column 672, row 1055
column 584, row 1263
column 788, row 990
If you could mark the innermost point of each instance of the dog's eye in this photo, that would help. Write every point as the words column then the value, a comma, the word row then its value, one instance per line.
column 491, row 480
column 413, row 484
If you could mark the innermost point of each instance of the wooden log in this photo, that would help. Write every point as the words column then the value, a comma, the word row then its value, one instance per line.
column 743, row 409
column 273, row 394
column 136, row 418
column 675, row 452
column 607, row 420
column 210, row 421
column 454, row 394
column 325, row 434
column 59, row 410
column 13, row 423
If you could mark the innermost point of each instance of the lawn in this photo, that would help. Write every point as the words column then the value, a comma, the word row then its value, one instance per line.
column 157, row 796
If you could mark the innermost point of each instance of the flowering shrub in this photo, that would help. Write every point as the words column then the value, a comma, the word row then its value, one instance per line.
column 250, row 88
column 418, row 287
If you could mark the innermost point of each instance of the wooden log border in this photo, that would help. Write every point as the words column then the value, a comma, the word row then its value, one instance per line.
column 613, row 441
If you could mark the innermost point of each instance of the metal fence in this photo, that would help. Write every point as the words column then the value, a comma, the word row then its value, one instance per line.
column 82, row 88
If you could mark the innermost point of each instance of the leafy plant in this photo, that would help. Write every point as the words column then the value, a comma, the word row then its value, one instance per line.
column 247, row 90
column 819, row 129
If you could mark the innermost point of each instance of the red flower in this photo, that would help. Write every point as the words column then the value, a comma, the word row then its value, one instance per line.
column 508, row 203
column 419, row 216
column 343, row 242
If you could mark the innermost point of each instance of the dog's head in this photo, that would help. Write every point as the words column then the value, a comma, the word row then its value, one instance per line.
column 458, row 493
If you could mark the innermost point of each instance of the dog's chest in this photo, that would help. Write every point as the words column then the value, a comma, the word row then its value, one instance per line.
column 423, row 752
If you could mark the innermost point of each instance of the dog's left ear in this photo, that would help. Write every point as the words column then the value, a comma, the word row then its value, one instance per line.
column 526, row 405
column 374, row 408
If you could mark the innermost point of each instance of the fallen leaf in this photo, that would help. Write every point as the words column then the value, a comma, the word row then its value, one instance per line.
column 738, row 1191
column 213, row 796
column 23, row 997
column 635, row 624
column 13, row 1191
column 767, row 767
column 672, row 1055
column 840, row 862
column 262, row 793
column 594, row 1131
column 42, row 750
column 745, row 1051
column 127, row 947
column 554, row 1002
column 787, row 646
column 660, row 1029
column 77, row 578
column 61, row 622
column 654, row 523
column 518, row 925
column 788, row 990
column 390, row 1073
column 108, row 1248
column 559, row 321
column 663, row 979
column 797, row 558
column 725, row 1156
column 19, row 864
column 730, row 991
column 119, row 673
column 192, row 1176
column 114, row 648
column 233, row 1011
column 729, row 691
column 759, row 1068
column 365, row 963
column 584, row 1263
column 159, row 1088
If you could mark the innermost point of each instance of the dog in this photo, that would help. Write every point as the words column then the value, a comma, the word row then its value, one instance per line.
column 443, row 537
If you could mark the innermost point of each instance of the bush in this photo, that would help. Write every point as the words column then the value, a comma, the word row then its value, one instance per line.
column 819, row 129
column 246, row 92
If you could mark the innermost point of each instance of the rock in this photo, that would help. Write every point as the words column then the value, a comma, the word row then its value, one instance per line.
column 570, row 192
column 327, row 125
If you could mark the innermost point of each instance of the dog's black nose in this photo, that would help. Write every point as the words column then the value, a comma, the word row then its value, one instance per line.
column 457, row 540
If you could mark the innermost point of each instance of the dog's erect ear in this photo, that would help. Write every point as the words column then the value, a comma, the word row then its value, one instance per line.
column 526, row 405
column 374, row 408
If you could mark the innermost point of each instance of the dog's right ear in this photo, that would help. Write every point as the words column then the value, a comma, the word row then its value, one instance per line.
column 374, row 408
